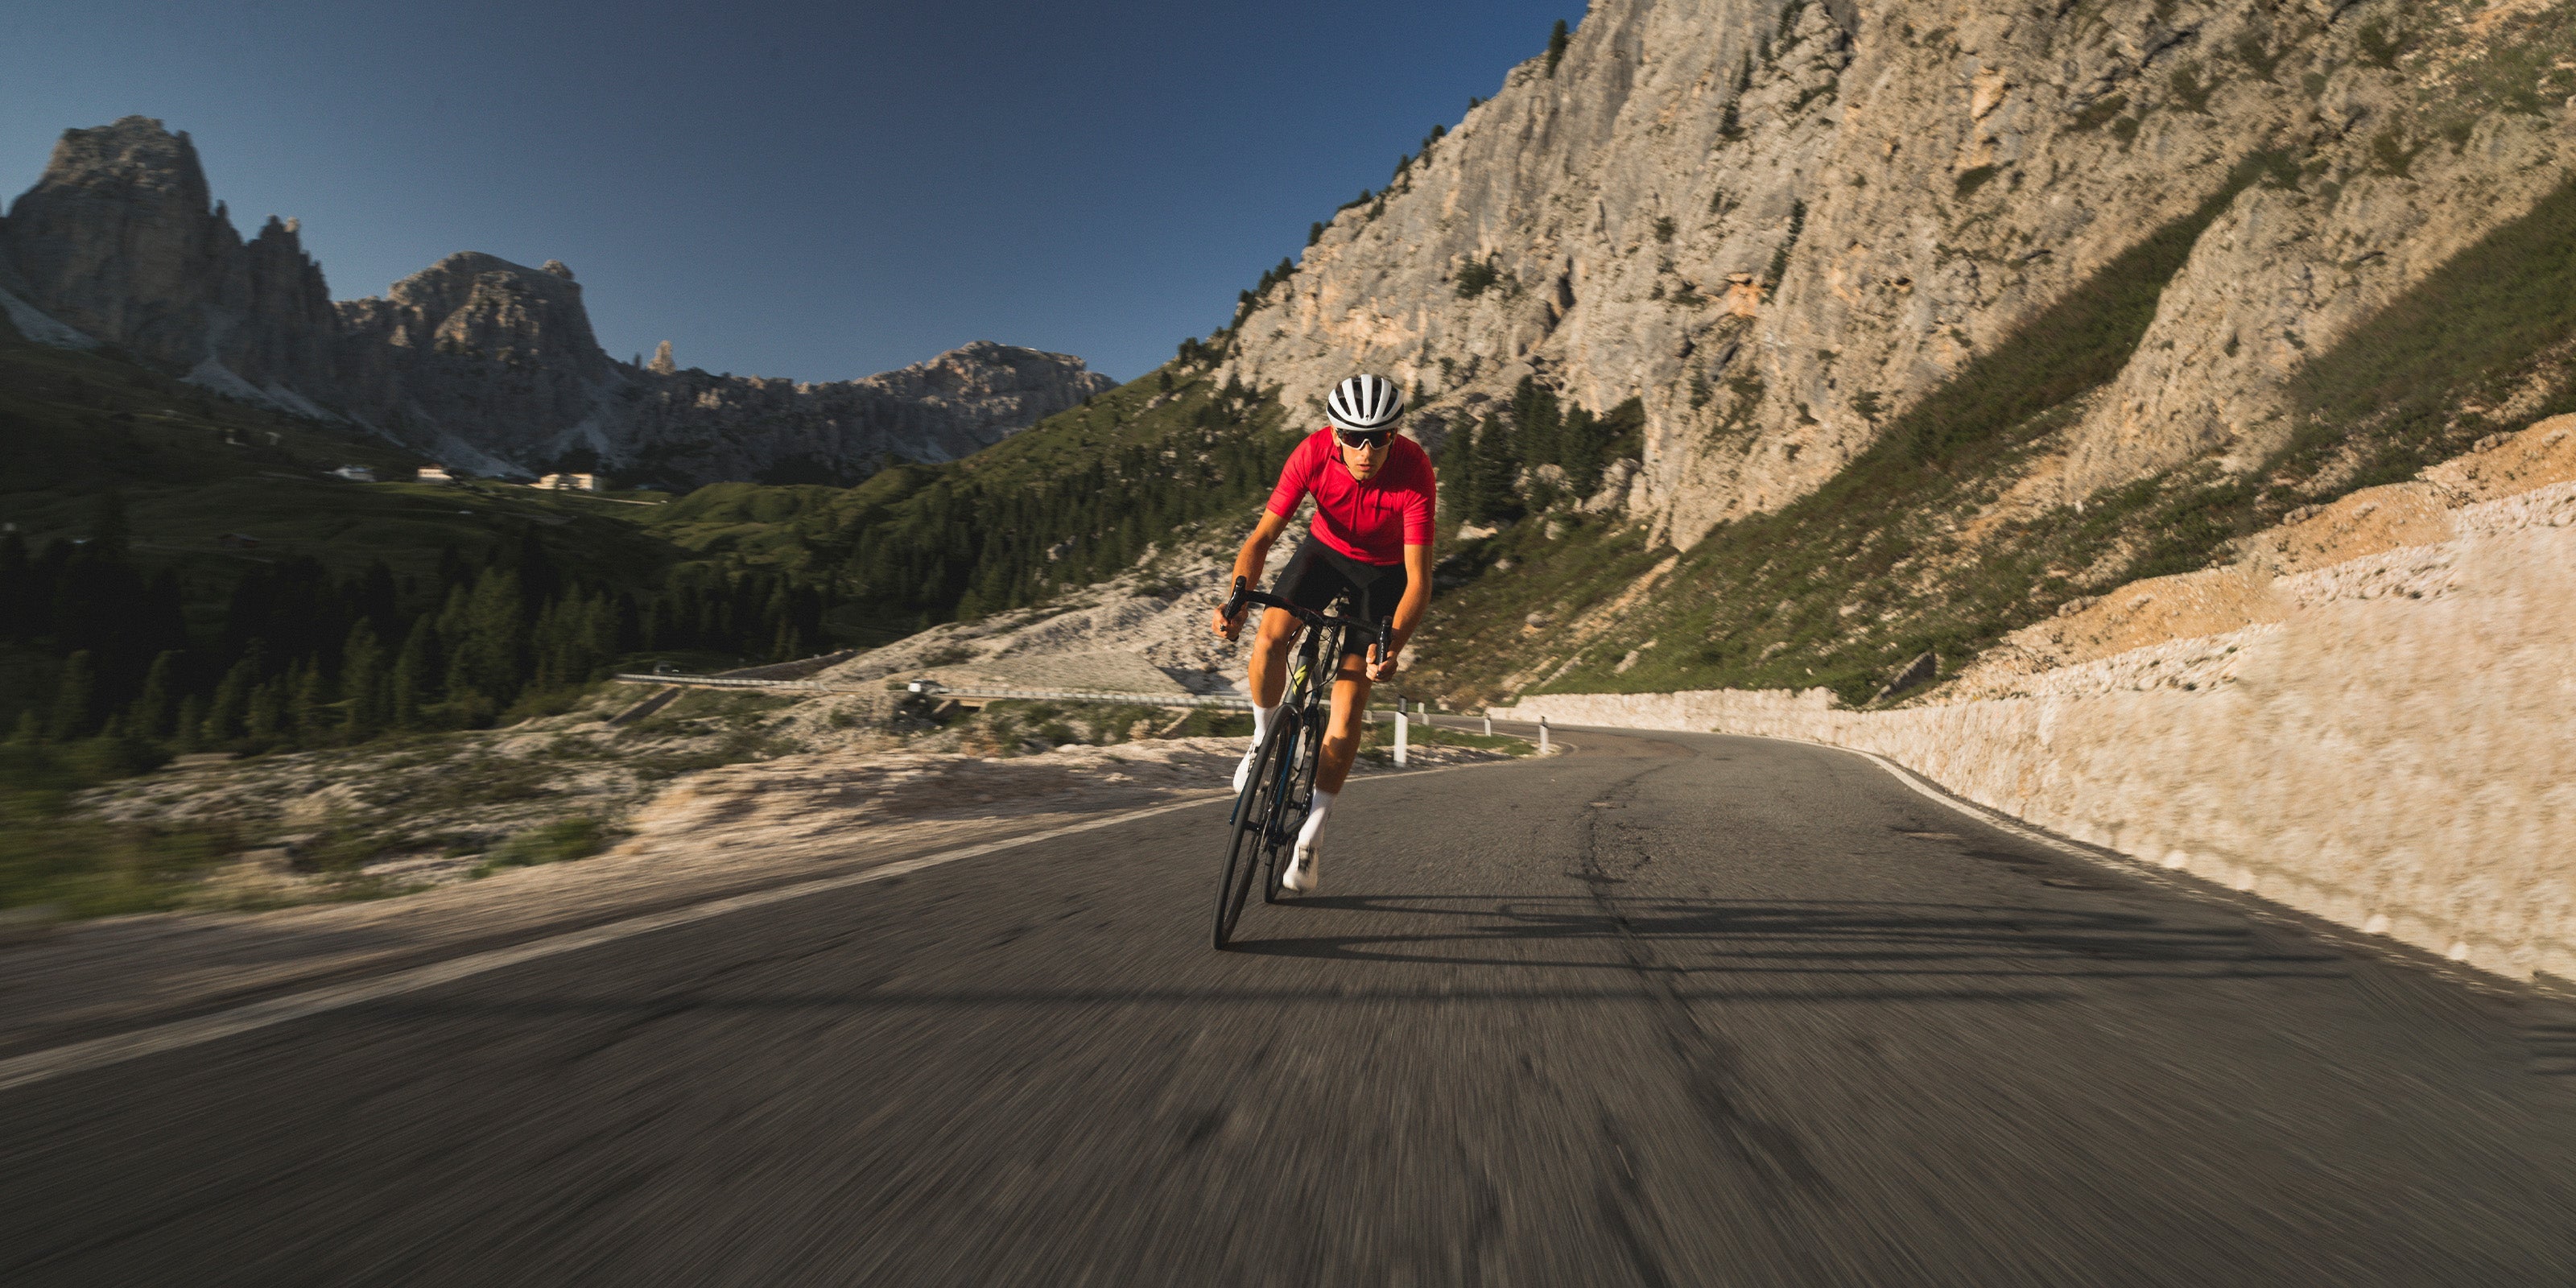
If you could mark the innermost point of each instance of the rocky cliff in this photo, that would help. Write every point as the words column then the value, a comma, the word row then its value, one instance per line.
column 475, row 342
column 477, row 361
column 1782, row 225
column 121, row 242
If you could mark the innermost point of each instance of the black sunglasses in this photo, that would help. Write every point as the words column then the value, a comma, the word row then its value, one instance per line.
column 1364, row 437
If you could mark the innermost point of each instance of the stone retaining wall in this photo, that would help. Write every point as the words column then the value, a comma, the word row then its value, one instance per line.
column 2403, row 765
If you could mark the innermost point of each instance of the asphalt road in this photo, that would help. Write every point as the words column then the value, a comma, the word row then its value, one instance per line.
column 1669, row 1010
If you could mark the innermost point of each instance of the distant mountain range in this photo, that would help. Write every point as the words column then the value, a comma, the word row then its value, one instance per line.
column 475, row 361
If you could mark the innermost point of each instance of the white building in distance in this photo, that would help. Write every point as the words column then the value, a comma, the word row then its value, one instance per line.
column 570, row 482
column 434, row 474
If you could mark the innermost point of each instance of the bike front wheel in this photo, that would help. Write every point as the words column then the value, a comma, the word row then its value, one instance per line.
column 1296, row 789
column 1256, row 814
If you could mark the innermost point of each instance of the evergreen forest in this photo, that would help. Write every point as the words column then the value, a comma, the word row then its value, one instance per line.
column 136, row 656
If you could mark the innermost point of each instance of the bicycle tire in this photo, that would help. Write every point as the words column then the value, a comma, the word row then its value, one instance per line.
column 1284, row 791
column 1296, row 779
column 1253, row 811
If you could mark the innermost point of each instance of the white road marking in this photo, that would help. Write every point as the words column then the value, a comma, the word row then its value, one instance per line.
column 1993, row 818
column 78, row 1057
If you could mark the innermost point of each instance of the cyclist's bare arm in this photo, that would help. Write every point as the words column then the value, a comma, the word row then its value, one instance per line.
column 1248, row 565
column 1408, row 610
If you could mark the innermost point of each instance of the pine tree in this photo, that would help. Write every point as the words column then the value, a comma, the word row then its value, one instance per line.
column 492, row 655
column 547, row 638
column 1557, row 40
column 461, row 703
column 1536, row 424
column 74, row 696
column 189, row 733
column 264, row 715
column 1458, row 472
column 309, row 713
column 150, row 716
column 375, row 598
column 414, row 672
column 363, row 683
column 1579, row 450
column 225, row 715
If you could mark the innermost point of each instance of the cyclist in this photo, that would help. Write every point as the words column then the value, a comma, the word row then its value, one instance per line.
column 1371, row 538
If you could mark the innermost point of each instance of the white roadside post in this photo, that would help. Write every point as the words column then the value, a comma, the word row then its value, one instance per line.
column 1489, row 724
column 1542, row 735
column 1401, row 727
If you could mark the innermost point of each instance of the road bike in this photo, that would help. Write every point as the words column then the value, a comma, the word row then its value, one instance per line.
column 1275, row 798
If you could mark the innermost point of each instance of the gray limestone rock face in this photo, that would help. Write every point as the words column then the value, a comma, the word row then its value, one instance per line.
column 476, row 349
column 494, row 364
column 120, row 240
column 960, row 402
column 1781, row 225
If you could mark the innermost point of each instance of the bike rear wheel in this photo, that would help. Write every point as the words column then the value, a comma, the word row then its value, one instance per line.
column 1255, row 815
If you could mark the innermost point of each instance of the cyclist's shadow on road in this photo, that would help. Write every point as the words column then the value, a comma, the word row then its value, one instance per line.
column 1710, row 939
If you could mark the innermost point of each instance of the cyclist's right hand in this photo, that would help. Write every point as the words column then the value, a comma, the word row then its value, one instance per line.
column 1229, row 626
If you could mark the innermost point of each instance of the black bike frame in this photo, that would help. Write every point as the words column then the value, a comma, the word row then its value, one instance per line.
column 1307, row 652
column 1305, row 700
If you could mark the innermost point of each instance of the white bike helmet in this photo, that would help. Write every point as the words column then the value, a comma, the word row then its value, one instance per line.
column 1364, row 403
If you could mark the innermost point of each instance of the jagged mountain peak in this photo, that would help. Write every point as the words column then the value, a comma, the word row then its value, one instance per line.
column 476, row 359
column 480, row 302
column 988, row 365
column 120, row 241
column 129, row 157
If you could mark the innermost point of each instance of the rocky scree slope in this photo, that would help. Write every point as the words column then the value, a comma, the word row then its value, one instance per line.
column 1783, row 225
column 476, row 361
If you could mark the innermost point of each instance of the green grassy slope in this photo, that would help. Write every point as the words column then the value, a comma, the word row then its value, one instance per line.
column 1078, row 498
column 194, row 468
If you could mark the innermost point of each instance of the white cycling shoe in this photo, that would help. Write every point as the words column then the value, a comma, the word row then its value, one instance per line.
column 1243, row 771
column 1302, row 876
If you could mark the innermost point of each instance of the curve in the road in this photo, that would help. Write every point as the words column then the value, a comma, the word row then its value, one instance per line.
column 1675, row 1009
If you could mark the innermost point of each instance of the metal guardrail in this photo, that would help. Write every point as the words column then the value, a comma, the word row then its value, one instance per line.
column 1226, row 701
column 729, row 682
column 934, row 689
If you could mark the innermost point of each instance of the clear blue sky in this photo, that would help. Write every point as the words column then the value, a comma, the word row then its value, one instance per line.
column 809, row 190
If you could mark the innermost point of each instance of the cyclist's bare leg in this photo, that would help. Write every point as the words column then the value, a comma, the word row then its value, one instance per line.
column 1342, row 734
column 1267, row 676
column 1332, row 769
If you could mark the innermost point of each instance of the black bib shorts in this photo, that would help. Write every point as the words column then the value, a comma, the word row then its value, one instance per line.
column 1317, row 574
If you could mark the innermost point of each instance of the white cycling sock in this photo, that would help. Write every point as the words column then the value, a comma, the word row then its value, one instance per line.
column 1261, row 717
column 1315, row 818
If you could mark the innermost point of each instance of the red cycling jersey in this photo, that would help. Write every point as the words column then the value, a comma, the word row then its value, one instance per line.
column 1373, row 521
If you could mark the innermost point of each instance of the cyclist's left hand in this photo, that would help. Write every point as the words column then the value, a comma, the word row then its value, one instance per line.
column 1379, row 668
